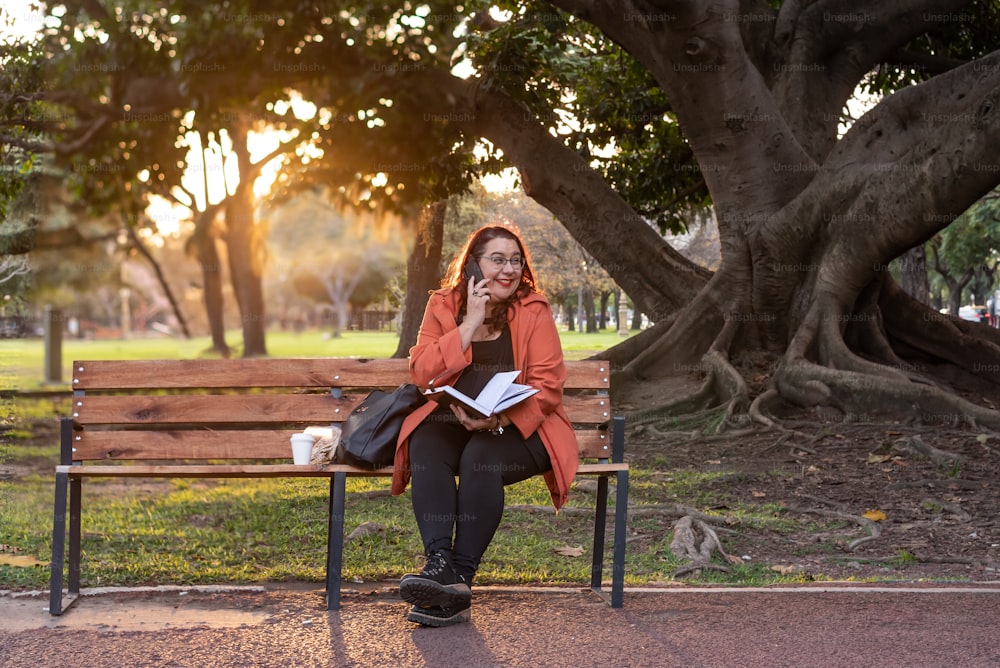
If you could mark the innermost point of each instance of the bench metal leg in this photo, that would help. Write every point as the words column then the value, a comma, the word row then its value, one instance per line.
column 66, row 491
column 58, row 545
column 621, row 520
column 600, row 520
column 75, row 494
column 335, row 540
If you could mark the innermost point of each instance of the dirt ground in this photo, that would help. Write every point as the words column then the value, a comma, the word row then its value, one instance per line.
column 872, row 500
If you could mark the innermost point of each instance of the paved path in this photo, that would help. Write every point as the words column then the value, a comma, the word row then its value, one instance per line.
column 827, row 626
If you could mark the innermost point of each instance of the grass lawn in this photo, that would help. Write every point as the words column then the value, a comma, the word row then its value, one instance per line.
column 245, row 531
column 22, row 361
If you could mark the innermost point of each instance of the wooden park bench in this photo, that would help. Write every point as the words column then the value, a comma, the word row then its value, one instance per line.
column 234, row 418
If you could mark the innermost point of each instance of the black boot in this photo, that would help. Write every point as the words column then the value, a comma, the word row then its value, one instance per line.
column 438, row 616
column 437, row 585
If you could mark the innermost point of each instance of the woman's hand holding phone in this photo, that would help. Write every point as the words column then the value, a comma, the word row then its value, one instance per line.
column 478, row 294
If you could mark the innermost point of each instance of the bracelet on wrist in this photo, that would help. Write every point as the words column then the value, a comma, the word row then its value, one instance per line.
column 497, row 430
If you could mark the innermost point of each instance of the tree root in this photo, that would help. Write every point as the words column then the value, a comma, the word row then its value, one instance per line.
column 862, row 394
column 965, row 561
column 676, row 510
column 915, row 446
column 961, row 516
column 723, row 396
column 663, row 509
column 756, row 410
column 697, row 567
column 696, row 541
column 937, row 336
column 549, row 510
column 874, row 530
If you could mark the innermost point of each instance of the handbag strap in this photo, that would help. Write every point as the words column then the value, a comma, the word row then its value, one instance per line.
column 430, row 385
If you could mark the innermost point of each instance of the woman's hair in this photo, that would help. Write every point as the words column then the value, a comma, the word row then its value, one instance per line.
column 454, row 278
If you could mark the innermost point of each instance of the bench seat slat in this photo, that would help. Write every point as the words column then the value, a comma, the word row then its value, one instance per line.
column 221, row 444
column 260, row 471
column 217, row 471
column 263, row 409
column 293, row 372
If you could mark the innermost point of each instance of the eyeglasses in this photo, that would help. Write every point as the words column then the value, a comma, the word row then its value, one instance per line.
column 499, row 261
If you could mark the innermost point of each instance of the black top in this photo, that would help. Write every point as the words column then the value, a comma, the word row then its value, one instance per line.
column 488, row 358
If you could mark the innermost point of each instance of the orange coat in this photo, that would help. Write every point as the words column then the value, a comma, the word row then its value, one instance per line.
column 438, row 356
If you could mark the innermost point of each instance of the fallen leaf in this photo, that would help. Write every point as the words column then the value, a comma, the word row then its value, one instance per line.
column 982, row 438
column 874, row 515
column 878, row 459
column 759, row 495
column 569, row 551
column 785, row 570
column 20, row 561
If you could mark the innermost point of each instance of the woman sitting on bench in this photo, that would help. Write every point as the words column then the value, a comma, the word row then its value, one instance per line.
column 488, row 317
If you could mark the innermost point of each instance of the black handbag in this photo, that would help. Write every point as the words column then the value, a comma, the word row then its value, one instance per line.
column 368, row 436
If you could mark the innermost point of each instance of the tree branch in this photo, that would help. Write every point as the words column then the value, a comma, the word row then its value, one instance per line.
column 12, row 266
column 562, row 181
column 750, row 157
column 141, row 247
column 935, row 142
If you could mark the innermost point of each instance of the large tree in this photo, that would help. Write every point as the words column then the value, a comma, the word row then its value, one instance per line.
column 737, row 103
column 809, row 221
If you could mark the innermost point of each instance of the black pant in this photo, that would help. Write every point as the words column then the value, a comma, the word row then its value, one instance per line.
column 471, row 509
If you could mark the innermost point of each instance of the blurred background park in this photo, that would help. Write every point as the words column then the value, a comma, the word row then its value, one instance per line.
column 753, row 215
column 231, row 216
column 259, row 178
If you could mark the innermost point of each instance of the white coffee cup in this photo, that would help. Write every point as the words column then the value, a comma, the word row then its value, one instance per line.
column 302, row 447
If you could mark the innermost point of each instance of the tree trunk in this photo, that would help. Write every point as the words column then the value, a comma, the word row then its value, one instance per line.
column 423, row 269
column 211, row 274
column 588, row 299
column 343, row 317
column 955, row 285
column 602, row 316
column 913, row 274
column 174, row 306
column 244, row 240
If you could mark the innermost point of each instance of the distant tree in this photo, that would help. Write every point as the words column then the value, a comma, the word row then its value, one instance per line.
column 332, row 257
column 967, row 252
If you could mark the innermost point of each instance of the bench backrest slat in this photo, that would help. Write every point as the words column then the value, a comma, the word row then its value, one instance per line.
column 263, row 409
column 324, row 372
column 108, row 446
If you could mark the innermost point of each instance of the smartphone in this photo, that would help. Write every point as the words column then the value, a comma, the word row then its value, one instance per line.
column 472, row 270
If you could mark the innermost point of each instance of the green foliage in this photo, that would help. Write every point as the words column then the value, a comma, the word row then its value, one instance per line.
column 971, row 243
column 22, row 119
column 953, row 36
column 974, row 237
column 600, row 100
